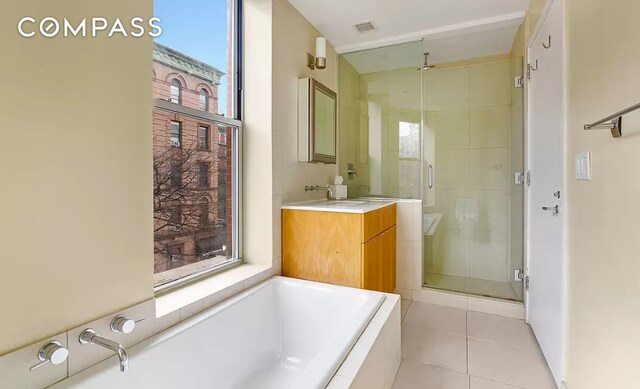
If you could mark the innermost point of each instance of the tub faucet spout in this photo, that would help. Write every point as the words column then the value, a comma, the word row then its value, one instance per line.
column 89, row 336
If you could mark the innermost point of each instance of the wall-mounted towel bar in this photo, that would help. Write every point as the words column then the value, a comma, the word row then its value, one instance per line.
column 612, row 122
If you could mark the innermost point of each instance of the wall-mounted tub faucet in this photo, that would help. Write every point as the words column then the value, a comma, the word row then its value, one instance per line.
column 89, row 336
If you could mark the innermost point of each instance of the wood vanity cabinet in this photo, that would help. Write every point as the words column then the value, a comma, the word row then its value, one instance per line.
column 350, row 249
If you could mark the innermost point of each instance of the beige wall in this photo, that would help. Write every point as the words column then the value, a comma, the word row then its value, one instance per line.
column 75, row 166
column 536, row 7
column 293, row 38
column 257, row 145
column 275, row 31
column 604, row 250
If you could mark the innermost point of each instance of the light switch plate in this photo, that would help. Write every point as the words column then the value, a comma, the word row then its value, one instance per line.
column 583, row 166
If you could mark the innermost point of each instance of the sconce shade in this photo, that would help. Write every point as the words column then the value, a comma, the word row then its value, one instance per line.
column 321, row 53
column 321, row 47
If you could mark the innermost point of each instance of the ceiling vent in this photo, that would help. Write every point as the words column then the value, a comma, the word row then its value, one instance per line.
column 365, row 27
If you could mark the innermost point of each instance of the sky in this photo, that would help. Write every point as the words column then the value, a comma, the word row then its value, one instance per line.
column 197, row 28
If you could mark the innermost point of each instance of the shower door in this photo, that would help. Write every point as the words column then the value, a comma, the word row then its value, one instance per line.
column 473, row 221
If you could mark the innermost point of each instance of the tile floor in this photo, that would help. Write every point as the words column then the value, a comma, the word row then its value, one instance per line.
column 448, row 348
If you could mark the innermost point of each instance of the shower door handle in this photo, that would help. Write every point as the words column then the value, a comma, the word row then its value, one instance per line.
column 430, row 176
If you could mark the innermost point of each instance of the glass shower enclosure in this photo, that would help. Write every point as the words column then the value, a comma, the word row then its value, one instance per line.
column 451, row 135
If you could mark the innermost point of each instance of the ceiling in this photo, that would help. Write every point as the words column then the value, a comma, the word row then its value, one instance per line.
column 452, row 30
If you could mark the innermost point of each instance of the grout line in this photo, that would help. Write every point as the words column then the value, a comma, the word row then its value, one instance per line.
column 466, row 326
column 497, row 382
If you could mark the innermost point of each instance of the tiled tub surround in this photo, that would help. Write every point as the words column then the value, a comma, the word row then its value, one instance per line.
column 270, row 333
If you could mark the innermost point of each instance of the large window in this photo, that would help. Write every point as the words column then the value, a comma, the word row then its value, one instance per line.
column 196, row 178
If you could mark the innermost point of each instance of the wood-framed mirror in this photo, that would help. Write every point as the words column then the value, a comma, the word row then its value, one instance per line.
column 317, row 122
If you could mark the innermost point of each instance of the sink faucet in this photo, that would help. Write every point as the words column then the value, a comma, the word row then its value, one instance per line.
column 89, row 336
column 314, row 188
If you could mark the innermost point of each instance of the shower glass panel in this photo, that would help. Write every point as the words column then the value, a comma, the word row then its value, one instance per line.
column 451, row 135
column 473, row 148
column 380, row 101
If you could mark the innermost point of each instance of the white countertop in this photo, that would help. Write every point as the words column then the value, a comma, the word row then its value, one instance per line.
column 341, row 206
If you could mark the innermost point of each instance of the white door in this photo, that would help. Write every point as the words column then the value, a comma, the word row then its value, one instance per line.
column 546, row 238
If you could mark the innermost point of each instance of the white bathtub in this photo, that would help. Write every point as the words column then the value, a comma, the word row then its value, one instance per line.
column 283, row 333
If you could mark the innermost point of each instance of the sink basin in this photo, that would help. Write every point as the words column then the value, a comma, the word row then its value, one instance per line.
column 345, row 203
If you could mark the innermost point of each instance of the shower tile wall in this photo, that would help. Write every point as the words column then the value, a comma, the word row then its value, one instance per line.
column 469, row 120
column 380, row 131
column 348, row 124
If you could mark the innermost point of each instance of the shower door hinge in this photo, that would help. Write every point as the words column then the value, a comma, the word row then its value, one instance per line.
column 519, row 82
column 519, row 275
column 528, row 178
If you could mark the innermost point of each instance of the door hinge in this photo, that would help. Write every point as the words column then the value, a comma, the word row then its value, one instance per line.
column 518, row 275
column 528, row 179
column 526, row 283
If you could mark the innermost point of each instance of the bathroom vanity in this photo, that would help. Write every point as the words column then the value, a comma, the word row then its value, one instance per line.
column 350, row 243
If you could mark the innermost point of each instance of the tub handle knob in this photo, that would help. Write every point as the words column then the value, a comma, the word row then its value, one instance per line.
column 122, row 325
column 52, row 352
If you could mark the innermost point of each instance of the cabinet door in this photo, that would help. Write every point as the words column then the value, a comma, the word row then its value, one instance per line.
column 372, row 264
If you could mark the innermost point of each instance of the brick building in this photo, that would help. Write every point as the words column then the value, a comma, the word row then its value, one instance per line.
column 191, row 152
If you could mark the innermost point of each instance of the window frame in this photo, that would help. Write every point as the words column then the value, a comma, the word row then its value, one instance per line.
column 171, row 122
column 179, row 86
column 206, row 166
column 207, row 137
column 234, row 122
column 204, row 93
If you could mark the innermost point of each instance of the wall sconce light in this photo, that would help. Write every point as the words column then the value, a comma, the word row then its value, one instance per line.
column 320, row 60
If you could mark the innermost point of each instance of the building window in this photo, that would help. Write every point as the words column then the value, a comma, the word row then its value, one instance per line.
column 175, row 220
column 196, row 173
column 204, row 100
column 203, row 137
column 176, row 175
column 204, row 212
column 176, row 91
column 175, row 129
column 203, row 175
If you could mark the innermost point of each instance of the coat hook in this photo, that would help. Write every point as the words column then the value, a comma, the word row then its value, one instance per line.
column 534, row 68
column 547, row 45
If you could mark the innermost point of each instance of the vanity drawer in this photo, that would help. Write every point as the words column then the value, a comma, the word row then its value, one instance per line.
column 375, row 222
column 387, row 217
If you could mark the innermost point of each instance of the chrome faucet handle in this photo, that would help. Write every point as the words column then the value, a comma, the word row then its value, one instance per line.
column 122, row 325
column 52, row 352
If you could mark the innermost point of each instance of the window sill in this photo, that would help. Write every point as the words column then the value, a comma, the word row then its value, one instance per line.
column 220, row 285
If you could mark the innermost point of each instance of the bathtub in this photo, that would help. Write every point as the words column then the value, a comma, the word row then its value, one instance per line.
column 283, row 333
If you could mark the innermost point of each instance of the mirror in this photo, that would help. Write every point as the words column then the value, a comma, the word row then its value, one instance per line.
column 317, row 132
